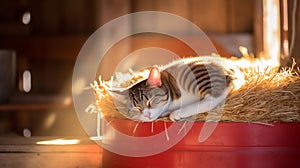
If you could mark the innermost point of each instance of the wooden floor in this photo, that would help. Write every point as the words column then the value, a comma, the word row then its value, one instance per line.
column 26, row 152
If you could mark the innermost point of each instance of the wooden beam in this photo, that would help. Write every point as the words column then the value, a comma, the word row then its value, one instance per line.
column 271, row 30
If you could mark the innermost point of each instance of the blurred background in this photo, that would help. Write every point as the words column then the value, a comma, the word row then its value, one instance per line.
column 42, row 38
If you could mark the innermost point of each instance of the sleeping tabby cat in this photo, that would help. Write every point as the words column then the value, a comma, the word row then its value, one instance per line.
column 181, row 89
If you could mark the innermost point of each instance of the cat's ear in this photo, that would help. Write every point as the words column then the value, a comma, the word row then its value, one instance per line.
column 154, row 78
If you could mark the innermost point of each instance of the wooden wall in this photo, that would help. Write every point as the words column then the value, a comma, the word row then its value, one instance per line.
column 213, row 16
column 59, row 28
column 84, row 16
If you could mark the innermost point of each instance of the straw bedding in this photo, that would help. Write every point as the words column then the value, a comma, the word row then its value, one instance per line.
column 268, row 95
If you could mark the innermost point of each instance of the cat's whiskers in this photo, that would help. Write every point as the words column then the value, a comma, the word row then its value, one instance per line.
column 166, row 131
column 109, row 122
column 152, row 127
column 135, row 127
column 182, row 127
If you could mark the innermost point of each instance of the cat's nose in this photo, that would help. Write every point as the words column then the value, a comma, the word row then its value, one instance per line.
column 147, row 115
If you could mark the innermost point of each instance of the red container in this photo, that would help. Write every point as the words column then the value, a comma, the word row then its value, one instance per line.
column 230, row 145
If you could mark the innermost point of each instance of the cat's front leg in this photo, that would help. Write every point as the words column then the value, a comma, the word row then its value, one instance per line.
column 196, row 108
column 185, row 113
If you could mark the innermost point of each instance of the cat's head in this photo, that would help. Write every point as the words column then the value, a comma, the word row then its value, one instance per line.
column 144, row 101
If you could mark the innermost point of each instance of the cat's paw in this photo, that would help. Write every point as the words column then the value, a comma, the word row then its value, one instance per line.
column 175, row 116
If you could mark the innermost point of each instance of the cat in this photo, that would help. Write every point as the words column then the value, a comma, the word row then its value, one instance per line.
column 180, row 89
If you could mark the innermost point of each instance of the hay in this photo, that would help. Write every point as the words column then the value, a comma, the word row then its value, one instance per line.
column 268, row 95
column 265, row 97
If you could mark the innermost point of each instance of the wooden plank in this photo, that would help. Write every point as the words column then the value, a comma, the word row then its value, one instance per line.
column 284, row 32
column 37, row 102
column 138, row 5
column 271, row 30
column 294, row 35
column 177, row 7
column 25, row 152
column 211, row 15
column 14, row 29
column 258, row 27
column 112, row 9
column 63, row 48
column 62, row 17
column 240, row 16
column 18, row 140
column 49, row 160
column 33, row 106
column 33, row 148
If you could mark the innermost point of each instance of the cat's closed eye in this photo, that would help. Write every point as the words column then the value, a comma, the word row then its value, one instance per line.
column 139, row 108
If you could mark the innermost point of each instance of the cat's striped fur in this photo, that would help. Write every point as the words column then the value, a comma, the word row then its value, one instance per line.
column 180, row 89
